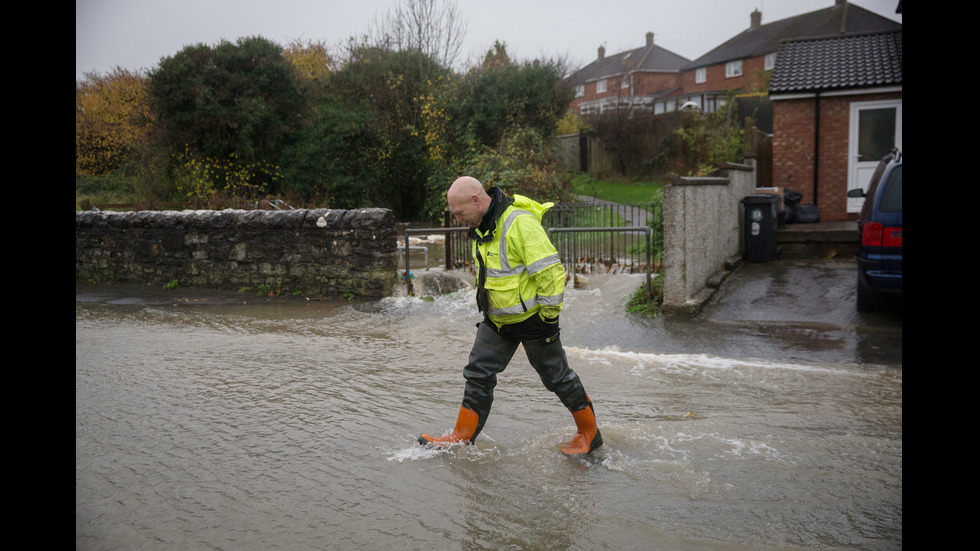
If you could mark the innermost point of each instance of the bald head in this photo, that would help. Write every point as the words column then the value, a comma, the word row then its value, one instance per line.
column 468, row 201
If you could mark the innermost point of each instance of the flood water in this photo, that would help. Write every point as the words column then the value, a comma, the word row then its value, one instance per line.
column 235, row 422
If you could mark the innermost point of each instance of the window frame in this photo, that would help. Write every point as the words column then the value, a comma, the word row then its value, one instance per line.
column 770, row 61
column 733, row 69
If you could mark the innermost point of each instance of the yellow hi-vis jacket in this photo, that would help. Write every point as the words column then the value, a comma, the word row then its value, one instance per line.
column 524, row 275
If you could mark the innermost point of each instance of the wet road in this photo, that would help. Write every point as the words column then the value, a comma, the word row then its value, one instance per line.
column 227, row 421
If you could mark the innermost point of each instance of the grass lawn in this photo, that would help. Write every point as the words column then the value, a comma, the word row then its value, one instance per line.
column 625, row 193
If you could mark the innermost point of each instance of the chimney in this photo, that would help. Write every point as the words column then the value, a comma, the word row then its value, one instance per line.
column 649, row 39
column 602, row 52
column 756, row 19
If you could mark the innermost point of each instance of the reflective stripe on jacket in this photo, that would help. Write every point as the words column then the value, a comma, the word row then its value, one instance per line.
column 524, row 275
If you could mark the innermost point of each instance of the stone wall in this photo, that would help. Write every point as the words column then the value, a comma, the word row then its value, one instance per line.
column 703, row 234
column 317, row 252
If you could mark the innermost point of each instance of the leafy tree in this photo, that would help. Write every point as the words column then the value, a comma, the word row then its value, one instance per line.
column 310, row 60
column 231, row 103
column 570, row 123
column 332, row 156
column 112, row 118
column 705, row 142
column 501, row 94
column 497, row 56
column 384, row 92
column 497, row 123
column 524, row 162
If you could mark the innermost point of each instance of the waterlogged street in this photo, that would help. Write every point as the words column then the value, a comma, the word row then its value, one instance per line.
column 208, row 420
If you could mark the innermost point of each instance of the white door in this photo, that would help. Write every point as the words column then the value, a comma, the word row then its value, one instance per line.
column 875, row 128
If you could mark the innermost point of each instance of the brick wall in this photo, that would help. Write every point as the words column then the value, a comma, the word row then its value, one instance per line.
column 794, row 129
column 715, row 79
column 648, row 83
column 642, row 84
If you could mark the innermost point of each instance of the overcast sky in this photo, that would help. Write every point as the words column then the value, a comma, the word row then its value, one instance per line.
column 136, row 34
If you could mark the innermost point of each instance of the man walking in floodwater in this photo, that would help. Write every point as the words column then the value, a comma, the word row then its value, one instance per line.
column 519, row 289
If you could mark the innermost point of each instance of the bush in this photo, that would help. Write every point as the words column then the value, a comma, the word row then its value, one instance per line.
column 524, row 163
column 704, row 143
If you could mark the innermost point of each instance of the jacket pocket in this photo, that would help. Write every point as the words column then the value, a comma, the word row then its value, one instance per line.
column 504, row 293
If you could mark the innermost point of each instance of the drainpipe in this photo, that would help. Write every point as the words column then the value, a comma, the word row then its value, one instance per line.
column 816, row 146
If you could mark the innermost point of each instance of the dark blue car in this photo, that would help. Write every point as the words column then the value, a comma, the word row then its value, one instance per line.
column 879, row 252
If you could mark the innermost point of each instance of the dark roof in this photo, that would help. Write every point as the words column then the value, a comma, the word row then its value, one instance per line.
column 764, row 39
column 838, row 62
column 650, row 58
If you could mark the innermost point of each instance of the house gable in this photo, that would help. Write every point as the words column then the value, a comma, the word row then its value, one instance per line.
column 632, row 77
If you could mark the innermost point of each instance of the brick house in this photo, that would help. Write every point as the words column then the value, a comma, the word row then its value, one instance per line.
column 656, row 79
column 652, row 77
column 744, row 63
column 837, row 110
column 636, row 78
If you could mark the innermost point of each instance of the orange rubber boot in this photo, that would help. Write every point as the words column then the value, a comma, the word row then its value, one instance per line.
column 587, row 438
column 465, row 430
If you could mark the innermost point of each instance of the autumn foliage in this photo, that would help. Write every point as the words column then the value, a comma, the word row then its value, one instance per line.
column 237, row 122
column 112, row 117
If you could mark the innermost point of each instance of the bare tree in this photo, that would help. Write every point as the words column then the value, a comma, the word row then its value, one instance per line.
column 433, row 27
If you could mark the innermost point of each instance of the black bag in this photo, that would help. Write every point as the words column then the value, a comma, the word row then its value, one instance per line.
column 797, row 213
column 791, row 198
column 807, row 214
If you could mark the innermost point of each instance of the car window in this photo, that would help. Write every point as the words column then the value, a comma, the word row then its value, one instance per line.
column 891, row 199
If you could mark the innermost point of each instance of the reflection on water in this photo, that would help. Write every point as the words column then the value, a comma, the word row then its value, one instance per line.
column 291, row 424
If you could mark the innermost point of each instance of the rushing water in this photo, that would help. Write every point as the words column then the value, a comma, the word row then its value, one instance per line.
column 235, row 423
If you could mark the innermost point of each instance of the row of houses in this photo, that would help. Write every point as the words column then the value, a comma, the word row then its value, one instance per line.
column 833, row 76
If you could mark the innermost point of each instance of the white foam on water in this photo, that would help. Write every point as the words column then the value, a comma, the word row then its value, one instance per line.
column 460, row 450
column 648, row 360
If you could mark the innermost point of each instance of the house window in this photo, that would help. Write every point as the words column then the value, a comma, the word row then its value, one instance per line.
column 624, row 82
column 733, row 69
column 770, row 62
column 701, row 75
column 600, row 87
column 580, row 90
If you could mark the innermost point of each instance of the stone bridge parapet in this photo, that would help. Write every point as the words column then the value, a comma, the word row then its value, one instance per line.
column 319, row 251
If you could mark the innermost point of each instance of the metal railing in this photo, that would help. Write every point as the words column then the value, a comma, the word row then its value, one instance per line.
column 594, row 237
column 624, row 249
column 450, row 236
column 576, row 258
column 616, row 238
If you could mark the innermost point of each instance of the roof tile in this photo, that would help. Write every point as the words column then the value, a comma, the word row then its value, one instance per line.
column 838, row 62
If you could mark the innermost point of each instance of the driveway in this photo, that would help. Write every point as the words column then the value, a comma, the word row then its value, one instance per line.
column 782, row 310
column 808, row 302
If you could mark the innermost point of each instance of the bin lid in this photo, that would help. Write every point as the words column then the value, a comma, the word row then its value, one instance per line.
column 760, row 199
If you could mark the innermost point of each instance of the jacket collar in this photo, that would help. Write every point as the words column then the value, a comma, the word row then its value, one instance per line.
column 500, row 202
